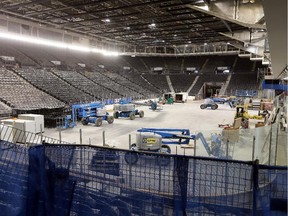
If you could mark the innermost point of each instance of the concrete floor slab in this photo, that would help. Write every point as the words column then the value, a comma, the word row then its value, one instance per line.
column 178, row 115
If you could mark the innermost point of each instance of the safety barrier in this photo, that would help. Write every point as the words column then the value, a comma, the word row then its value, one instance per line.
column 262, row 143
column 243, row 144
column 84, row 180
column 14, row 135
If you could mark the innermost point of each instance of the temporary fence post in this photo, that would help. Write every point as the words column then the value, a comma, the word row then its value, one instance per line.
column 10, row 134
column 227, row 149
column 194, row 175
column 29, row 140
column 80, row 131
column 60, row 137
column 129, row 141
column 25, row 138
column 130, row 172
column 253, row 150
column 195, row 147
column 276, row 147
column 159, row 175
column 103, row 136
column 255, row 186
column 41, row 132
column 270, row 146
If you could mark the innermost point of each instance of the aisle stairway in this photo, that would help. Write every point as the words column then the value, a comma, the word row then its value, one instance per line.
column 170, row 83
column 224, row 87
column 193, row 84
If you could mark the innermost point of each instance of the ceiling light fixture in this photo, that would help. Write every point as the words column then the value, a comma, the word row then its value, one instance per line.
column 152, row 25
column 107, row 20
column 50, row 43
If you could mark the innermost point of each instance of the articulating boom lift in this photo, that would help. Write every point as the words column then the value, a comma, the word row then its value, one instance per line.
column 93, row 113
column 158, row 140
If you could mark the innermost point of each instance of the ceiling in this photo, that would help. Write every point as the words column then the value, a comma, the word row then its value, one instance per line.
column 133, row 22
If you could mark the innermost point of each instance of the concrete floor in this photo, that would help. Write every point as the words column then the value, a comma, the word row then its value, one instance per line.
column 179, row 115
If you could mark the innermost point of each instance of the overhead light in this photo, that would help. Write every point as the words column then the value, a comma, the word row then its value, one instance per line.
column 205, row 44
column 32, row 40
column 107, row 20
column 50, row 43
column 189, row 42
column 228, row 43
column 248, row 1
column 104, row 52
column 152, row 25
column 78, row 48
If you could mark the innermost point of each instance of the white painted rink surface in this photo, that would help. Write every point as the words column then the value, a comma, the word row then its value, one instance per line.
column 178, row 115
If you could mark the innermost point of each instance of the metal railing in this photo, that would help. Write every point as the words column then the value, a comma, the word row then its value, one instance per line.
column 15, row 135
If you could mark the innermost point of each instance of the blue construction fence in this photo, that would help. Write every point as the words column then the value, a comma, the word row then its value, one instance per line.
column 56, row 180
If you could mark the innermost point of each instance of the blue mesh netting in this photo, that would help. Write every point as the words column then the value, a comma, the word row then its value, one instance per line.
column 13, row 179
column 85, row 181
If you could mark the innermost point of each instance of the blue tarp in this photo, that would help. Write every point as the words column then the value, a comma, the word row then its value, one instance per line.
column 84, row 181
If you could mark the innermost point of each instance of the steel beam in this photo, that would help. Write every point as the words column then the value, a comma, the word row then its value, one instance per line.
column 226, row 18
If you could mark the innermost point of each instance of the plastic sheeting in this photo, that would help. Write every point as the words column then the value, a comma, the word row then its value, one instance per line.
column 84, row 181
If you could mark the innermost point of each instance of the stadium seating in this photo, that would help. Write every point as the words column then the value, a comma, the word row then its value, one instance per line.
column 20, row 94
column 243, row 65
column 108, row 79
column 136, row 63
column 66, row 57
column 90, row 87
column 173, row 65
column 37, row 54
column 7, row 49
column 118, row 89
column 4, row 109
column 158, row 81
column 218, row 61
column 181, row 82
column 113, row 63
column 139, row 89
column 50, row 83
column 242, row 81
column 152, row 62
column 194, row 61
column 138, row 79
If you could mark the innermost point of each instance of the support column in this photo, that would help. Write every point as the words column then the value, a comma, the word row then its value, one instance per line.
column 276, row 21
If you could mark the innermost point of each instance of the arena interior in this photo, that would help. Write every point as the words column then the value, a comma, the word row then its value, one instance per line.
column 149, row 107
